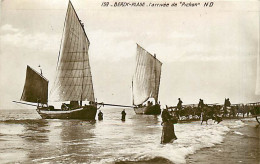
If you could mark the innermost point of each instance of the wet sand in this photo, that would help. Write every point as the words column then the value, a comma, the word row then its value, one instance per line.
column 240, row 145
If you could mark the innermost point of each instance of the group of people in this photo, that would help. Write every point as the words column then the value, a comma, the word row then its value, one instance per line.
column 168, row 120
column 149, row 103
column 201, row 103
column 100, row 115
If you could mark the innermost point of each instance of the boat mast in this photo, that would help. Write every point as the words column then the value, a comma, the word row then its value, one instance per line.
column 133, row 92
column 154, row 65
column 82, row 26
column 41, row 87
column 82, row 86
column 159, row 82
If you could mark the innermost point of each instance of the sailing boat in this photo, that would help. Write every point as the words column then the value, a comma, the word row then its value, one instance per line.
column 73, row 80
column 146, row 82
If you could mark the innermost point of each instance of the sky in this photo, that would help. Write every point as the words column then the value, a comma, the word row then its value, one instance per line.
column 209, row 53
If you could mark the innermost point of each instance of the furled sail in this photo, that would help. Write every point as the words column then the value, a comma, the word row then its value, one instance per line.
column 35, row 87
column 73, row 77
column 146, row 79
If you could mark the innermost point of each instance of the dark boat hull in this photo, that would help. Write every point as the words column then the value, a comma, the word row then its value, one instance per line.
column 148, row 110
column 86, row 112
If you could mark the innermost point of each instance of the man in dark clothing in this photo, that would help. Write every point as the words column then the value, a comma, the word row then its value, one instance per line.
column 228, row 102
column 201, row 104
column 123, row 115
column 100, row 115
column 179, row 105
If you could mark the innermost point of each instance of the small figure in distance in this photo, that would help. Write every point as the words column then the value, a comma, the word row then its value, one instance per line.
column 123, row 115
column 100, row 115
column 228, row 102
column 64, row 107
column 179, row 105
column 201, row 104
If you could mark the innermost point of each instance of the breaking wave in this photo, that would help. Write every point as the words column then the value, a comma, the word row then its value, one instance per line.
column 191, row 138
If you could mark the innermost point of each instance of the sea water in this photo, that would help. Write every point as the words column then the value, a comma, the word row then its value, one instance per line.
column 26, row 138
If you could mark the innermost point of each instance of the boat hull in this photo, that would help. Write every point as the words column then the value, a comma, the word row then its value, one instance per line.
column 86, row 112
column 148, row 110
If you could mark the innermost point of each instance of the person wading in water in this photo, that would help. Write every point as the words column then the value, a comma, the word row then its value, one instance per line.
column 100, row 115
column 168, row 134
column 123, row 115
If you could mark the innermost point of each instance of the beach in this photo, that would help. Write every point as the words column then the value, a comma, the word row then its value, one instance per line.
column 240, row 145
column 26, row 138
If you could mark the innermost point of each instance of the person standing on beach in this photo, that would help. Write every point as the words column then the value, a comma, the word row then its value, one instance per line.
column 123, row 115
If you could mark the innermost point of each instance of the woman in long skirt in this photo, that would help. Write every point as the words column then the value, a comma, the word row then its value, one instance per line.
column 168, row 134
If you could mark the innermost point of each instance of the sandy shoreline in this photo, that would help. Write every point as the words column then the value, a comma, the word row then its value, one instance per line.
column 240, row 145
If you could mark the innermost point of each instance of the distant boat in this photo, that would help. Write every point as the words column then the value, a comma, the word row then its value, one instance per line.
column 73, row 81
column 146, row 82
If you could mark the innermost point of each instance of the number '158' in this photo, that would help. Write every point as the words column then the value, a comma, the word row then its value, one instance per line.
column 105, row 4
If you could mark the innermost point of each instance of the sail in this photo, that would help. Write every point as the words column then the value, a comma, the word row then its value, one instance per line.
column 73, row 80
column 146, row 79
column 157, row 74
column 35, row 87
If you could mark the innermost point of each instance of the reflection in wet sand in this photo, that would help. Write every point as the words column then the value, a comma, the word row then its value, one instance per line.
column 68, row 141
column 147, row 122
column 21, row 138
column 75, row 137
column 35, row 131
column 11, row 145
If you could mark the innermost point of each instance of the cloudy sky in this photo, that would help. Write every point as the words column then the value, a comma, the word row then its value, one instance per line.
column 208, row 53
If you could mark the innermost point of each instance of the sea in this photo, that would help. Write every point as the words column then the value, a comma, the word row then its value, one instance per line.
column 26, row 138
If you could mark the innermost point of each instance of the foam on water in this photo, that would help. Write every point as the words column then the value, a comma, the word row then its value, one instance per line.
column 238, row 133
column 191, row 137
column 8, row 157
column 233, row 123
column 107, row 141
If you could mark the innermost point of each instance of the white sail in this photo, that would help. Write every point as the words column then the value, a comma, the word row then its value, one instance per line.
column 157, row 74
column 146, row 79
column 73, row 78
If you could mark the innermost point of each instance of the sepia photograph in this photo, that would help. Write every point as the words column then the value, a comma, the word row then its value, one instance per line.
column 130, row 82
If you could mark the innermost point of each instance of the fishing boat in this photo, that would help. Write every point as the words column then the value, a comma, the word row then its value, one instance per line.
column 73, row 82
column 146, row 82
column 255, row 110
